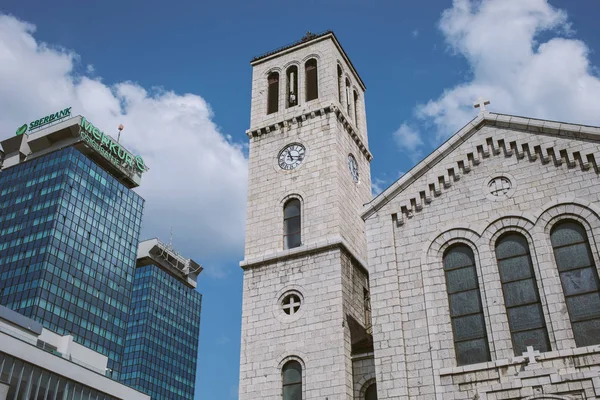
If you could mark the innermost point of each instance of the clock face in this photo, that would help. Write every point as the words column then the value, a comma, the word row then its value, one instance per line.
column 291, row 156
column 353, row 167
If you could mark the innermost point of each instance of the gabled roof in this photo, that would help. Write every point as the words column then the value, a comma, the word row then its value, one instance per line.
column 532, row 125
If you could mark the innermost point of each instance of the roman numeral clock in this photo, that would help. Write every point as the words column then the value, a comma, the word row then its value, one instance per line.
column 291, row 156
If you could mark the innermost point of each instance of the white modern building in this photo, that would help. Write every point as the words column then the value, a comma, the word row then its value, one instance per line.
column 36, row 363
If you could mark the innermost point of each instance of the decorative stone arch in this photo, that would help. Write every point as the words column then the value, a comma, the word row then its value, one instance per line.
column 557, row 210
column 296, row 356
column 317, row 56
column 273, row 69
column 362, row 386
column 522, row 223
column 547, row 397
column 435, row 293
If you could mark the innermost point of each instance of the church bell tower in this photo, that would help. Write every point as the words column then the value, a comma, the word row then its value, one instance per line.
column 306, row 313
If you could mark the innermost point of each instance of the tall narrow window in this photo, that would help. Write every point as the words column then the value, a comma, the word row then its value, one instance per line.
column 371, row 392
column 355, row 108
column 291, row 224
column 292, row 380
column 579, row 279
column 521, row 296
column 348, row 99
column 340, row 83
column 367, row 302
column 273, row 93
column 466, row 312
column 312, row 88
column 292, row 86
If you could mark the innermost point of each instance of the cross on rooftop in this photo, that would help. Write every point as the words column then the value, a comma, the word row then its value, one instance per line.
column 531, row 354
column 481, row 103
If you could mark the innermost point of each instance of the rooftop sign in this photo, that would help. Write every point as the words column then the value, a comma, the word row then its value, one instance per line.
column 111, row 150
column 48, row 119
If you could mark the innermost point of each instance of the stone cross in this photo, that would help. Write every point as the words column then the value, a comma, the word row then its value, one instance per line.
column 481, row 103
column 531, row 355
column 291, row 306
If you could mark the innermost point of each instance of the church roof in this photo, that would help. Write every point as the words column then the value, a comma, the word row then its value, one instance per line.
column 533, row 125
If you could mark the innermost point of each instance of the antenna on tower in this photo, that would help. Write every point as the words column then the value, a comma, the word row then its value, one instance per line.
column 120, row 129
column 171, row 239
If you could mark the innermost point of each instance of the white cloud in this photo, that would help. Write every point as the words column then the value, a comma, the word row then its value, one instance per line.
column 415, row 33
column 409, row 140
column 499, row 40
column 377, row 186
column 197, row 178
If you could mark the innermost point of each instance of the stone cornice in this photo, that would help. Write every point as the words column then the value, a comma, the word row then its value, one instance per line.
column 298, row 119
column 329, row 243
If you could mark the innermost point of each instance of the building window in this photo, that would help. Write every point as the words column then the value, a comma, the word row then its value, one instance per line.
column 273, row 93
column 355, row 110
column 521, row 295
column 340, row 80
column 348, row 99
column 292, row 86
column 466, row 311
column 367, row 303
column 579, row 279
column 291, row 303
column 371, row 392
column 291, row 224
column 292, row 380
column 312, row 89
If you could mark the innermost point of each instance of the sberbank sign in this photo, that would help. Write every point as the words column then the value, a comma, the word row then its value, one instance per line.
column 110, row 149
column 48, row 119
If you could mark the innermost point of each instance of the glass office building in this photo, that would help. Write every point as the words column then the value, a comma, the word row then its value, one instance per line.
column 162, row 338
column 69, row 233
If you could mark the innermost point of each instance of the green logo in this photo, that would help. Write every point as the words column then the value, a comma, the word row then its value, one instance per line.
column 22, row 130
column 110, row 149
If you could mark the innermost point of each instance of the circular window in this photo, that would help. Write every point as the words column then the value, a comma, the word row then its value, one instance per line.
column 499, row 186
column 291, row 304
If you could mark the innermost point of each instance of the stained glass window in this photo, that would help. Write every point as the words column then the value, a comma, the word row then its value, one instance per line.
column 466, row 311
column 521, row 295
column 579, row 278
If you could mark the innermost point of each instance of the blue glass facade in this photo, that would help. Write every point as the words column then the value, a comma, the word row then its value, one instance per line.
column 68, row 243
column 162, row 338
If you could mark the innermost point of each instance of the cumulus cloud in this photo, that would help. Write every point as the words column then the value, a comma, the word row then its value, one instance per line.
column 509, row 65
column 197, row 178
column 409, row 140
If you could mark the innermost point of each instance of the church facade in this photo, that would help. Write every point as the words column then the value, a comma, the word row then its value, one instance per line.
column 474, row 276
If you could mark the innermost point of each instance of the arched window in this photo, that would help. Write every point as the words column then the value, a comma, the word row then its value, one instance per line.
column 348, row 99
column 292, row 380
column 521, row 296
column 579, row 279
column 312, row 88
column 273, row 93
column 291, row 224
column 466, row 312
column 371, row 392
column 355, row 110
column 292, row 86
column 340, row 83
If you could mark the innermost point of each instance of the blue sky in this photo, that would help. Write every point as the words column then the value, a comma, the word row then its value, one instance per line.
column 177, row 75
